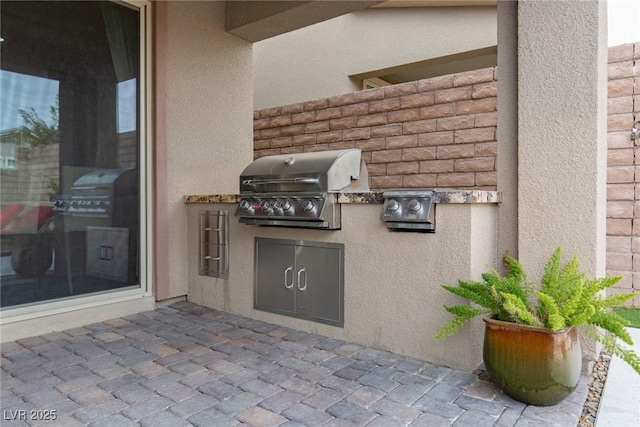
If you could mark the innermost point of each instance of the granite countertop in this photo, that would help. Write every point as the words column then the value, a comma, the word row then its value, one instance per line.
column 442, row 195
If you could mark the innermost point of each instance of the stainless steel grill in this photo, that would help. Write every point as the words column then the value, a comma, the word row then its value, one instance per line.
column 300, row 190
column 409, row 210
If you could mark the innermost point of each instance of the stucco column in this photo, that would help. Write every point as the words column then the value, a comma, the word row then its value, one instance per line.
column 561, row 135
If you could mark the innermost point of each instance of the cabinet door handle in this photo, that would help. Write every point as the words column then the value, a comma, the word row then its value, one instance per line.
column 213, row 258
column 302, row 288
column 286, row 271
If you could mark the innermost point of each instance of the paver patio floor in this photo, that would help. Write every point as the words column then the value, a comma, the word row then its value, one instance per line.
column 190, row 365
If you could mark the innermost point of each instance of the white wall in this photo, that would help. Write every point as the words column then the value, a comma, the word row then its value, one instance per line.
column 316, row 61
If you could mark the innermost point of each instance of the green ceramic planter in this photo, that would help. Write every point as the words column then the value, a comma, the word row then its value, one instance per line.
column 533, row 365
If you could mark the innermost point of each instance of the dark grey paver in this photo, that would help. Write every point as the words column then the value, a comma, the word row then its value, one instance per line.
column 472, row 403
column 115, row 420
column 163, row 419
column 146, row 408
column 281, row 401
column 238, row 403
column 219, row 390
column 475, row 418
column 256, row 416
column 378, row 382
column 193, row 405
column 306, row 415
column 405, row 394
column 351, row 412
column 431, row 420
column 396, row 411
column 323, row 399
column 365, row 396
column 101, row 410
column 211, row 417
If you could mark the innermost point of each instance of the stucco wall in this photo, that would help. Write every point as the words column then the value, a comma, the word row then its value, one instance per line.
column 208, row 118
column 316, row 61
column 393, row 299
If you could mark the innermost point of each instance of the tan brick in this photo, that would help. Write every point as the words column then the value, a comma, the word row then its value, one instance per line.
column 456, row 151
column 400, row 89
column 419, row 126
column 293, row 130
column 619, row 139
column 356, row 134
column 306, row 117
column 418, row 153
column 437, row 111
column 403, row 115
column 372, row 120
column 344, row 123
column 366, row 155
column 270, row 112
column 270, row 133
column 620, row 53
column 451, row 95
column 619, row 244
column 369, row 95
column 456, row 180
column 619, row 209
column 473, row 77
column 263, row 153
column 261, row 124
column 307, row 139
column 486, row 120
column 421, row 99
column 436, row 166
column 620, row 122
column 386, row 156
column 620, row 87
column 316, row 147
column 484, row 90
column 435, row 138
column 487, row 179
column 387, row 104
column 341, row 145
column 453, row 123
column 256, row 114
column 477, row 164
column 620, row 174
column 328, row 113
column 622, row 104
column 486, row 149
column 619, row 261
column 402, row 141
column 280, row 121
column 388, row 130
column 483, row 105
column 377, row 169
column 282, row 142
column 620, row 70
column 385, row 182
column 435, row 83
column 331, row 136
column 340, row 100
column 619, row 226
column 620, row 157
column 292, row 150
column 316, row 127
column 474, row 135
column 374, row 144
column 635, row 227
column 262, row 144
column 637, row 196
column 316, row 104
column 402, row 168
column 620, row 191
column 635, row 245
column 419, row 180
column 355, row 109
column 293, row 108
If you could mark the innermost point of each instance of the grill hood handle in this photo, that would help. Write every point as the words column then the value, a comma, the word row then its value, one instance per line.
column 280, row 181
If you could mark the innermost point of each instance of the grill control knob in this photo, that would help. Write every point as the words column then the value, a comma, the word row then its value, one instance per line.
column 245, row 205
column 307, row 205
column 285, row 205
column 392, row 205
column 414, row 206
column 265, row 206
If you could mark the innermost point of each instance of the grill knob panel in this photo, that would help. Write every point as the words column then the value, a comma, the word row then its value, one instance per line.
column 414, row 206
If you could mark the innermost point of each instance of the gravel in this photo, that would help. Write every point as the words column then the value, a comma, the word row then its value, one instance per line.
column 591, row 405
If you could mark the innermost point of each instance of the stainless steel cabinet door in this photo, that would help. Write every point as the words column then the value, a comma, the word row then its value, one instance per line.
column 274, row 279
column 319, row 281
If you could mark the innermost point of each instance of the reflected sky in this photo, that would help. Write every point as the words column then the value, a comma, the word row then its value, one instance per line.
column 23, row 92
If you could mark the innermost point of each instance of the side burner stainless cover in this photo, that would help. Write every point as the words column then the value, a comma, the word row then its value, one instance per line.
column 410, row 210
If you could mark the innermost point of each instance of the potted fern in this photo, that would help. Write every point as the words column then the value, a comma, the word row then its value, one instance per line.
column 531, row 344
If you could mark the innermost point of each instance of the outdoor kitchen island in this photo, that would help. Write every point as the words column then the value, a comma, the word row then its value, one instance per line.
column 392, row 298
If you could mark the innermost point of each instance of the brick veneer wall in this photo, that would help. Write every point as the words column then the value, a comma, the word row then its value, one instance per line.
column 441, row 132
column 623, row 174
column 438, row 132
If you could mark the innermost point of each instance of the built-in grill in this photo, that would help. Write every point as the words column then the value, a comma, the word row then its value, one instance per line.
column 102, row 193
column 300, row 190
column 409, row 210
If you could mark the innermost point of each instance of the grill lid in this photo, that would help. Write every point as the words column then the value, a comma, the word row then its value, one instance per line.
column 324, row 171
